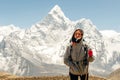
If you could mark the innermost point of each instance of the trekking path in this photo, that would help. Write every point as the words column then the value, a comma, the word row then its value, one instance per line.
column 7, row 76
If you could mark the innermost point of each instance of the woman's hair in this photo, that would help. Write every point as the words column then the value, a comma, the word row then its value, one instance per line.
column 82, row 32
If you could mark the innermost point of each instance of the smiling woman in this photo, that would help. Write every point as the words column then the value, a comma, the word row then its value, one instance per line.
column 77, row 57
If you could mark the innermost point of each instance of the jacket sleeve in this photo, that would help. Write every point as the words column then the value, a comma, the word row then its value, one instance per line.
column 67, row 56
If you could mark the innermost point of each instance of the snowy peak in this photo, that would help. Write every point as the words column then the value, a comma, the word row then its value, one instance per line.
column 58, row 14
column 7, row 30
column 55, row 20
column 56, row 10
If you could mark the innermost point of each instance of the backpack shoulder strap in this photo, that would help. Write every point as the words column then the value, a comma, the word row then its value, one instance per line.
column 70, row 49
column 85, row 61
column 70, row 58
column 86, row 48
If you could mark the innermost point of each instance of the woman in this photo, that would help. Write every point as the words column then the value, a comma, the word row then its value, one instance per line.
column 77, row 57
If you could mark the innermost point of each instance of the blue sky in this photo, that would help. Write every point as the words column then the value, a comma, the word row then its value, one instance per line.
column 105, row 14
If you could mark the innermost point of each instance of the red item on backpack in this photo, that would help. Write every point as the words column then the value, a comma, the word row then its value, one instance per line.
column 90, row 53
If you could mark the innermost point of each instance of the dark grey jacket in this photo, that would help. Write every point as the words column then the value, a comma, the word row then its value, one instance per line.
column 76, row 65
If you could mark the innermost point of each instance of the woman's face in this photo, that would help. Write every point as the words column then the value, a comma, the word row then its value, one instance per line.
column 78, row 35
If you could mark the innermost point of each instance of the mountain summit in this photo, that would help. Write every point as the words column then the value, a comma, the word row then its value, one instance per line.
column 58, row 14
column 56, row 10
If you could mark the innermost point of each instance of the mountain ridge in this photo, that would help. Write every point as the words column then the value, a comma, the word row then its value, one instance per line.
column 45, row 43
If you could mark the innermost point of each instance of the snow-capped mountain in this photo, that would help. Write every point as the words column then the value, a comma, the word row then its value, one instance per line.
column 40, row 49
column 112, row 43
column 6, row 30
